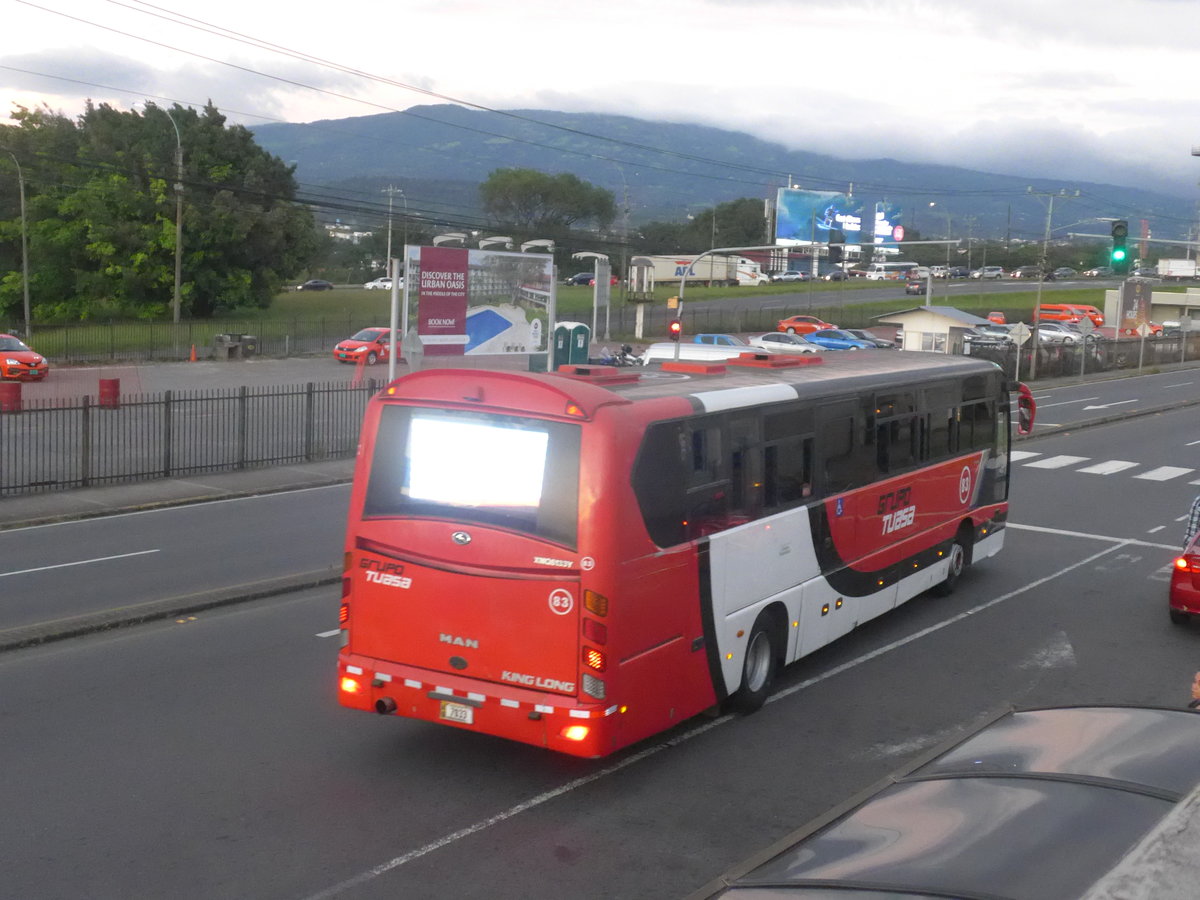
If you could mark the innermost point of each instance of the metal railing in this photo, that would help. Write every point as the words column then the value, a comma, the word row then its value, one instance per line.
column 52, row 445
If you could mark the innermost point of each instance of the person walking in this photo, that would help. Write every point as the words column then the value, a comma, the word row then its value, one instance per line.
column 1193, row 524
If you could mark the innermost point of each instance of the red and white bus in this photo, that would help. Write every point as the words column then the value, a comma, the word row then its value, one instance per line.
column 579, row 560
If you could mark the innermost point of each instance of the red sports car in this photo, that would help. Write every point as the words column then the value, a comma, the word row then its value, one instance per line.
column 1185, row 583
column 18, row 362
column 802, row 325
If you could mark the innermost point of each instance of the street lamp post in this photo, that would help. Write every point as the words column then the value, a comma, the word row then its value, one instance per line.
column 175, row 299
column 24, row 247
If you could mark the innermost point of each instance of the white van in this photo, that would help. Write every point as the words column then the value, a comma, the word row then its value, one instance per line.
column 889, row 271
column 665, row 352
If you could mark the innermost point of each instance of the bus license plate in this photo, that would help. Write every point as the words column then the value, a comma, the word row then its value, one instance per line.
column 457, row 712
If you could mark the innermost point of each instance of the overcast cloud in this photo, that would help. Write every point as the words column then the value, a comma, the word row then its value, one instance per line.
column 1098, row 90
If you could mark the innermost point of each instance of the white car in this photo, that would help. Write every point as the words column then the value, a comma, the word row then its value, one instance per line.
column 988, row 272
column 783, row 342
column 381, row 284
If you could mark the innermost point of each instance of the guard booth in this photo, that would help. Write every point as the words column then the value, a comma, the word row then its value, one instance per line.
column 571, row 343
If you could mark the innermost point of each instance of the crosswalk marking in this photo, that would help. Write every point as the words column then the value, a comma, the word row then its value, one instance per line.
column 1109, row 467
column 1056, row 462
column 1018, row 455
column 1164, row 473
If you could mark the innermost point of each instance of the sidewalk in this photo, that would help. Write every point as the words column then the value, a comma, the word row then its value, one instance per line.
column 26, row 510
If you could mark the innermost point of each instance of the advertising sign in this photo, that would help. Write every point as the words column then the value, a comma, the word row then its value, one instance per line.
column 816, row 217
column 479, row 301
column 889, row 223
column 1135, row 304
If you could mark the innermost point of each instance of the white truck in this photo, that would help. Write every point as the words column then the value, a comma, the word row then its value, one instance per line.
column 721, row 269
column 1176, row 269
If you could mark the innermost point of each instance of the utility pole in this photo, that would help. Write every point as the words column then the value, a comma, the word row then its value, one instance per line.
column 24, row 248
column 1042, row 271
column 392, row 190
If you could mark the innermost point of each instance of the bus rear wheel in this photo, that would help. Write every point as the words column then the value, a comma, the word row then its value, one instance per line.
column 758, row 669
column 958, row 562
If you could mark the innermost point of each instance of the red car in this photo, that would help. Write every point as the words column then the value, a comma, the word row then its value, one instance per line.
column 802, row 325
column 19, row 363
column 370, row 346
column 1185, row 583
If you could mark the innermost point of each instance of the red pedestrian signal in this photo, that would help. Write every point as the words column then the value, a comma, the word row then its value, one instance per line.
column 675, row 329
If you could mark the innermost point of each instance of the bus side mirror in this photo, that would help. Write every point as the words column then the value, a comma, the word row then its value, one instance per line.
column 1026, row 409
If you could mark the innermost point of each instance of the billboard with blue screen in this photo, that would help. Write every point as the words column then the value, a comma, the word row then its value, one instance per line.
column 817, row 217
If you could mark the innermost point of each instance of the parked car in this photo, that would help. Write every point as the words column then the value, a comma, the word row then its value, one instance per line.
column 1062, row 333
column 791, row 275
column 785, row 343
column 722, row 340
column 382, row 284
column 1156, row 330
column 987, row 272
column 315, row 284
column 371, row 345
column 836, row 339
column 990, row 336
column 997, row 317
column 19, row 362
column 1184, row 595
column 585, row 278
column 802, row 324
column 863, row 335
column 939, row 271
column 1100, row 272
column 1064, row 272
column 1026, row 272
column 959, row 271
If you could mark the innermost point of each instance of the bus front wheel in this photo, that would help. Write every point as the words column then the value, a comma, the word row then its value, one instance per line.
column 758, row 669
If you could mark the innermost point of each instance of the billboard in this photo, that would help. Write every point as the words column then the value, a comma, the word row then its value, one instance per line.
column 478, row 301
column 889, row 223
column 817, row 217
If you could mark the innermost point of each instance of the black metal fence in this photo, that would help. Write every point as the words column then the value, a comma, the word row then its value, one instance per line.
column 49, row 445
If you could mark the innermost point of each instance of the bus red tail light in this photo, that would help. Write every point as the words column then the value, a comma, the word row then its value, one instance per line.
column 575, row 732
column 350, row 686
column 595, row 631
column 597, row 604
column 343, row 613
column 594, row 659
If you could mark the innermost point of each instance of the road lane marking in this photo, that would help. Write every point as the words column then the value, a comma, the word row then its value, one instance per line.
column 1110, row 467
column 1109, row 405
column 383, row 868
column 1056, row 462
column 327, row 634
column 1066, row 402
column 82, row 562
column 1164, row 473
column 1018, row 455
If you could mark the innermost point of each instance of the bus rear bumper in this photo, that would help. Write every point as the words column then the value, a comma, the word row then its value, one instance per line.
column 553, row 721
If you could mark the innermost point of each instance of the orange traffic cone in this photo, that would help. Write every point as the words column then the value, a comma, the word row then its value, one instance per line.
column 192, row 358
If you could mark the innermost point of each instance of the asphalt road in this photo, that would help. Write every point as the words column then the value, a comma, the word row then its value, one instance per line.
column 208, row 758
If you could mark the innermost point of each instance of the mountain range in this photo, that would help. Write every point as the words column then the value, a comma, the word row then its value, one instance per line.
column 434, row 157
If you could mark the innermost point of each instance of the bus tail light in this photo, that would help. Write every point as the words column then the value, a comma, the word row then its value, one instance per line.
column 595, row 631
column 594, row 659
column 350, row 685
column 575, row 732
column 343, row 614
column 597, row 604
column 594, row 687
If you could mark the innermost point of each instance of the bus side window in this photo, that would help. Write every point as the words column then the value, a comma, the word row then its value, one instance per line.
column 838, row 454
column 660, row 482
column 787, row 472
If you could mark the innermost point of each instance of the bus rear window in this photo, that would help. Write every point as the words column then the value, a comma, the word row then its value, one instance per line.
column 511, row 472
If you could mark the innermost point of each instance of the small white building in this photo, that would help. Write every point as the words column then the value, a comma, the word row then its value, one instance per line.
column 938, row 329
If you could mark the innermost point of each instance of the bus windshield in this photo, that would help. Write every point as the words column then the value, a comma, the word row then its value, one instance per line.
column 512, row 472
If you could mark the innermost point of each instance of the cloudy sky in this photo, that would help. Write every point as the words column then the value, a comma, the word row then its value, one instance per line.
column 1100, row 90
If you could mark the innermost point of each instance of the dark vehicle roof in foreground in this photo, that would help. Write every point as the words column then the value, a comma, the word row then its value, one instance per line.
column 720, row 383
column 1035, row 805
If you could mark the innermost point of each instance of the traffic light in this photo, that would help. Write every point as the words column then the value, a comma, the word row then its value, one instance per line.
column 675, row 329
column 1119, row 255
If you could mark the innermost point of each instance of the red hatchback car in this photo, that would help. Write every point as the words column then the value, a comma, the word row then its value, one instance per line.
column 802, row 325
column 370, row 346
column 18, row 362
column 1185, row 583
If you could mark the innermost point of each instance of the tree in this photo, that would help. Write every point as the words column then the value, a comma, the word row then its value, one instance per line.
column 545, row 205
column 103, row 207
column 738, row 223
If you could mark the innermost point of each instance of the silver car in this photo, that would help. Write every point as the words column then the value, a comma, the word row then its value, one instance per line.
column 783, row 342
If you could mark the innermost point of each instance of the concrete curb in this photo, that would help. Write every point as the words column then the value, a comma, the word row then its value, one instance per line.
column 151, row 610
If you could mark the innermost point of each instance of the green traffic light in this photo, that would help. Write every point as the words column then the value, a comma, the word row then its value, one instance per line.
column 1118, row 254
